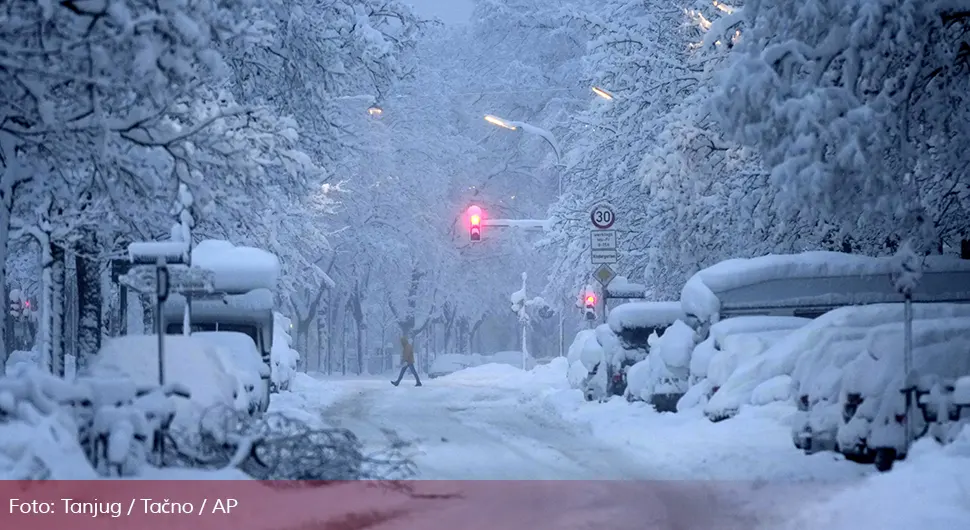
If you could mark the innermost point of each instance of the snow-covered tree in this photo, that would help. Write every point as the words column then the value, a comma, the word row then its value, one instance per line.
column 855, row 108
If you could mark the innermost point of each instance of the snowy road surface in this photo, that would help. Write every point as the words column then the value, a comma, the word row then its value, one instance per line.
column 478, row 432
column 573, row 464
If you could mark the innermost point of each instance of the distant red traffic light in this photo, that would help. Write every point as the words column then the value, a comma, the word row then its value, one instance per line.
column 475, row 223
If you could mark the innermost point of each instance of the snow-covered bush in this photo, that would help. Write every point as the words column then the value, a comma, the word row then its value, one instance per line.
column 54, row 429
column 285, row 359
column 21, row 358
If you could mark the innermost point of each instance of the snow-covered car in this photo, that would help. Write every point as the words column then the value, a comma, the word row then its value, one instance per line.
column 240, row 357
column 730, row 343
column 782, row 358
column 821, row 356
column 189, row 361
column 875, row 391
column 610, row 352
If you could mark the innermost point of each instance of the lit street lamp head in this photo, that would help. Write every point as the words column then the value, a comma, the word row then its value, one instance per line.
column 602, row 93
column 374, row 110
column 495, row 120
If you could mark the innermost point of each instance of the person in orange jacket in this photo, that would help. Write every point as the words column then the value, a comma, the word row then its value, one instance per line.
column 407, row 362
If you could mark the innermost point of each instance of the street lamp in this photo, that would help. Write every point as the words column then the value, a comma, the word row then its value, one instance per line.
column 531, row 129
column 374, row 110
column 551, row 140
column 602, row 93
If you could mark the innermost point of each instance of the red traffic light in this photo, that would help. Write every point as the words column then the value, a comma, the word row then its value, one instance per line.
column 474, row 215
column 27, row 304
column 475, row 223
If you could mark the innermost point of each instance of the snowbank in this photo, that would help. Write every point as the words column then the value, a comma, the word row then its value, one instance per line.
column 192, row 362
column 448, row 363
column 929, row 490
column 811, row 278
column 237, row 269
column 782, row 357
column 645, row 315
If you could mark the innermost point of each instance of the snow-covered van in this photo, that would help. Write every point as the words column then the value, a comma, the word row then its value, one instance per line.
column 810, row 284
column 243, row 280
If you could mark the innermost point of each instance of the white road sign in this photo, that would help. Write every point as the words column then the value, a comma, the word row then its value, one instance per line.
column 602, row 239
column 603, row 256
column 602, row 245
column 602, row 216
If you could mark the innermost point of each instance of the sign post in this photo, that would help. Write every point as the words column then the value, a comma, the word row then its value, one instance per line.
column 602, row 245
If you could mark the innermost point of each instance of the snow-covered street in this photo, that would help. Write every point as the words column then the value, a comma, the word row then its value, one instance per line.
column 499, row 422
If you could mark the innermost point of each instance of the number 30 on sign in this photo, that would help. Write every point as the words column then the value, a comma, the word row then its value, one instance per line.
column 602, row 216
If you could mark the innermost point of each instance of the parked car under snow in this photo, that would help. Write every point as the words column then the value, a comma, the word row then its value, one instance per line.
column 611, row 352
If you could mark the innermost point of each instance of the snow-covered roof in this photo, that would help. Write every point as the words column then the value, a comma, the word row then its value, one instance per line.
column 237, row 269
column 621, row 287
column 644, row 315
column 823, row 279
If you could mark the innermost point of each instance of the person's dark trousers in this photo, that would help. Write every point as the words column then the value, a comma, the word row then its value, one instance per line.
column 413, row 371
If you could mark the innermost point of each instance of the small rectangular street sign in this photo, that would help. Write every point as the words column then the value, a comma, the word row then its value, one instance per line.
column 603, row 256
column 604, row 274
column 602, row 239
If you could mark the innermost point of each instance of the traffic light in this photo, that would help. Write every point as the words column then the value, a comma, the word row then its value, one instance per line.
column 16, row 309
column 590, row 305
column 475, row 223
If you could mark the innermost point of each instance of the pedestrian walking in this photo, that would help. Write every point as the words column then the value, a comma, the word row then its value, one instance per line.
column 407, row 362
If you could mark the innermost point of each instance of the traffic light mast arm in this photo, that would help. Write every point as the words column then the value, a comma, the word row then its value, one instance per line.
column 525, row 224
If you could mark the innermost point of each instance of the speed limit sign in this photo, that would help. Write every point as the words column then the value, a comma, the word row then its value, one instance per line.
column 602, row 216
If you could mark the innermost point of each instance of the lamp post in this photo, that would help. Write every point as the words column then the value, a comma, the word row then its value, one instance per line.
column 551, row 140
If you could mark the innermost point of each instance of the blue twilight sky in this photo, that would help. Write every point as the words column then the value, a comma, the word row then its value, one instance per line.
column 449, row 11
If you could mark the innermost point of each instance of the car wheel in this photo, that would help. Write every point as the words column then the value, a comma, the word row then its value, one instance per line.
column 885, row 457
